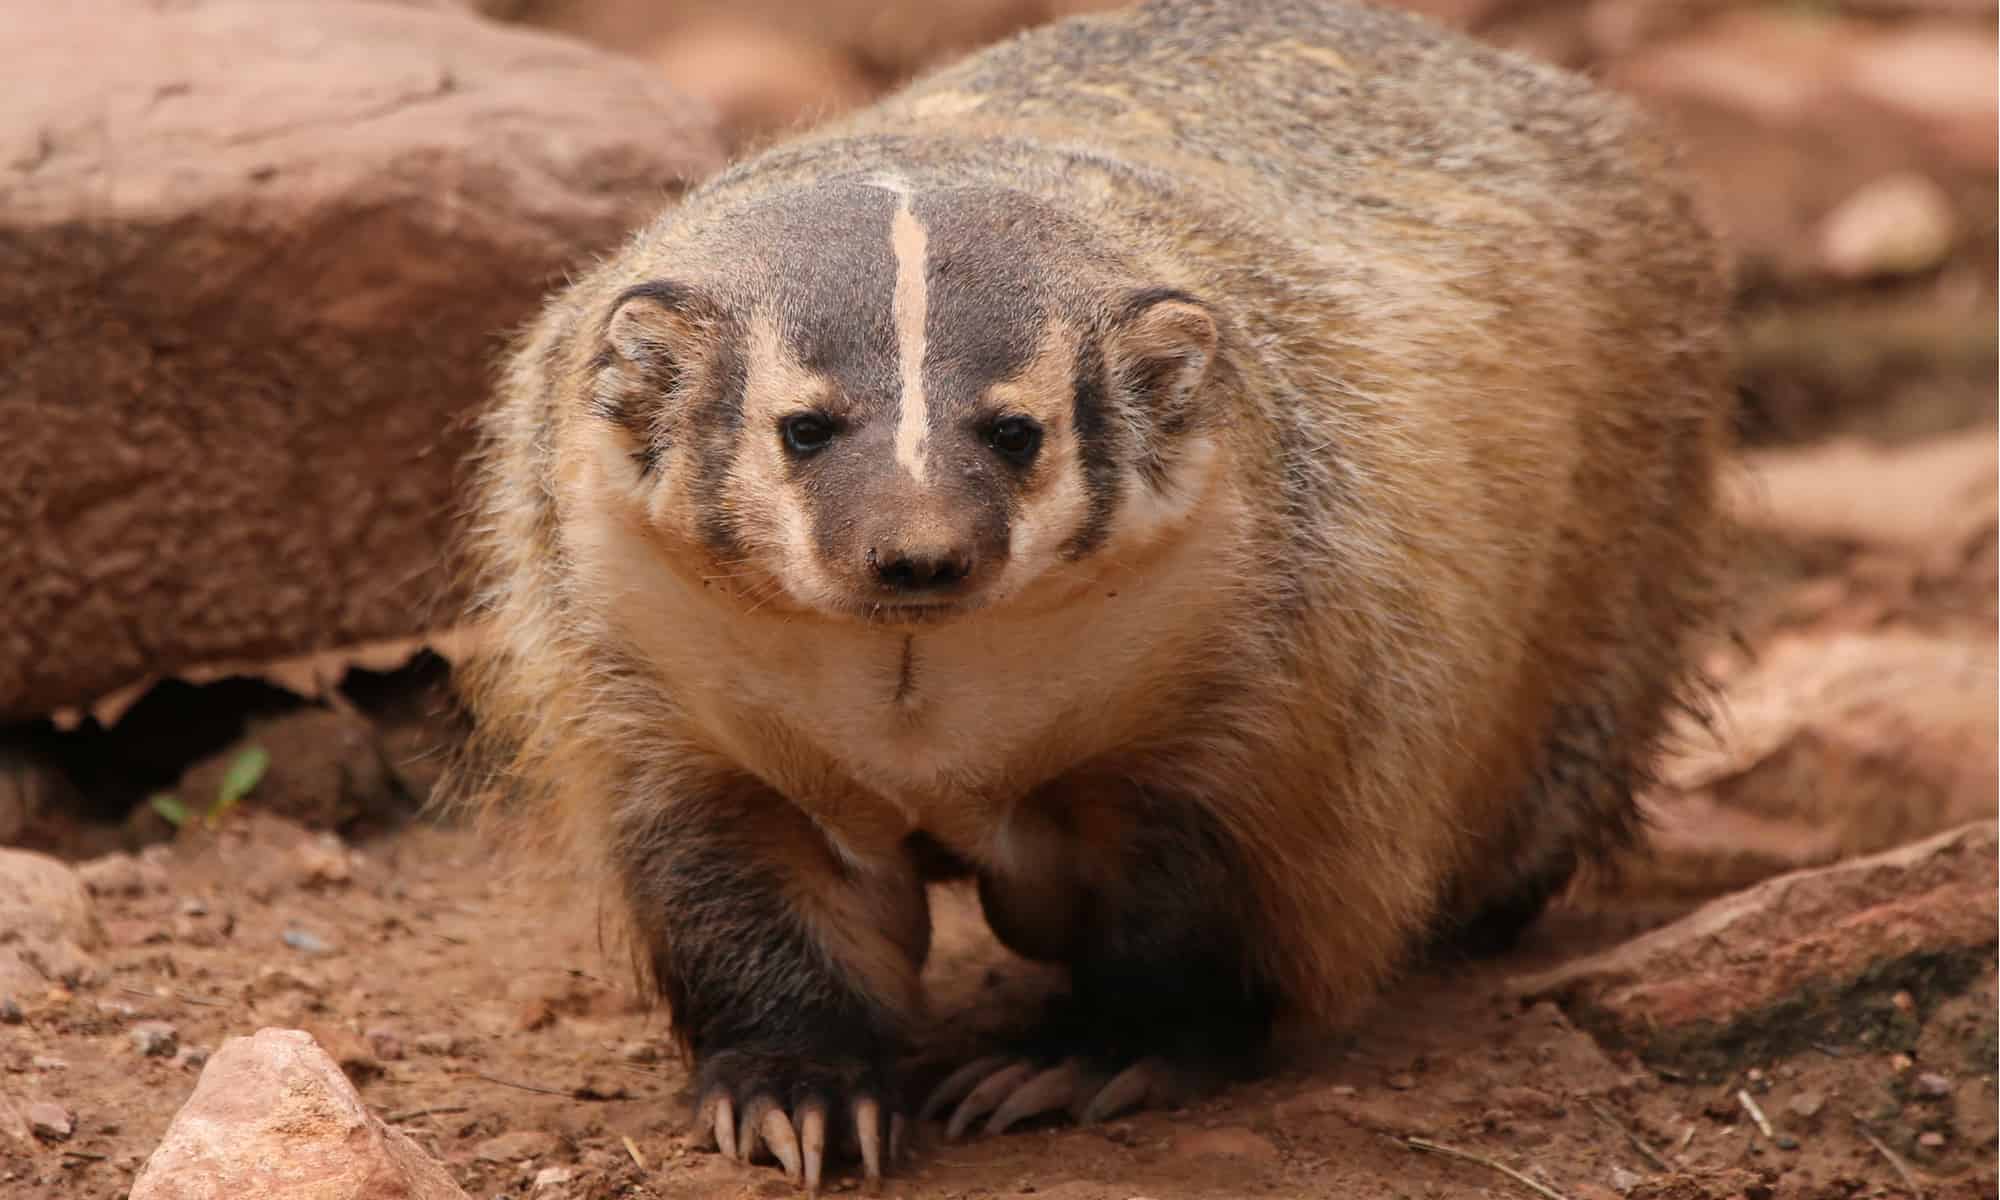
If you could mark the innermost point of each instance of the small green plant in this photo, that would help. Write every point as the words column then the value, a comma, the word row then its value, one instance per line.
column 237, row 782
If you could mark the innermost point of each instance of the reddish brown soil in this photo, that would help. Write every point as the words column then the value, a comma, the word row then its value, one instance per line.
column 467, row 1006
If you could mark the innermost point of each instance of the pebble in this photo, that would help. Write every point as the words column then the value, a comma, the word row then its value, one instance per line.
column 386, row 1045
column 307, row 943
column 549, row 1177
column 1787, row 1142
column 515, row 1146
column 155, row 1039
column 1932, row 1086
column 113, row 875
column 194, row 906
column 49, row 1121
column 1402, row 1081
column 436, row 1043
column 1901, row 224
column 1230, row 1141
column 1806, row 1105
column 1932, row 1140
column 1623, row 1181
column 10, row 1011
column 1904, row 1002
column 1899, row 1063
column 638, row 1052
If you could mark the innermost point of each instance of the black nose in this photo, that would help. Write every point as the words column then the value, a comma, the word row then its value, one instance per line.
column 917, row 572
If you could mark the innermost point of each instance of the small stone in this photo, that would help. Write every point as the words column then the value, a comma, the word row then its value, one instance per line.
column 10, row 1011
column 47, row 1062
column 1900, row 1063
column 437, row 1043
column 276, row 1098
column 1230, row 1141
column 1931, row 1086
column 194, row 906
column 155, row 1039
column 516, row 1146
column 323, row 860
column 549, row 1177
column 387, row 1046
column 1904, row 1002
column 1806, row 1105
column 1932, row 1140
column 50, row 1121
column 1623, row 1181
column 1900, row 224
column 1787, row 1142
column 639, row 1052
column 112, row 875
column 1402, row 1081
column 307, row 943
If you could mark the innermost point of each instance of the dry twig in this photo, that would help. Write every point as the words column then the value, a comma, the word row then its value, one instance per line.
column 1896, row 1161
column 633, row 1150
column 1638, row 1143
column 414, row 1113
column 1430, row 1147
column 1756, row 1114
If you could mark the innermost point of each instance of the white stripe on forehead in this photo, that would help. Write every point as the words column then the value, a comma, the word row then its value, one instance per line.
column 911, row 243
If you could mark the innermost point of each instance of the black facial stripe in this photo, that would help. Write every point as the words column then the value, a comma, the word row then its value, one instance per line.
column 716, row 427
column 1095, row 448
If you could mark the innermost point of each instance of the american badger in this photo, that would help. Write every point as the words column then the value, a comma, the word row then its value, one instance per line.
column 1233, row 479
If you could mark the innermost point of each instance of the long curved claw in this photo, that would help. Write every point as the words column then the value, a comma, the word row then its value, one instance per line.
column 783, row 1142
column 959, row 1084
column 1127, row 1089
column 868, row 1132
column 812, row 1142
column 1054, row 1088
column 986, row 1097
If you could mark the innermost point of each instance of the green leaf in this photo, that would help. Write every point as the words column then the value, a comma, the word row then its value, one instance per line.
column 170, row 807
column 237, row 782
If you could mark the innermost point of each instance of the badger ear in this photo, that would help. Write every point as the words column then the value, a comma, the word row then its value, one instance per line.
column 662, row 326
column 660, row 345
column 1159, row 348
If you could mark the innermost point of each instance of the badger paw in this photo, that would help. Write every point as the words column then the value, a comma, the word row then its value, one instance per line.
column 756, row 1107
column 1007, row 1090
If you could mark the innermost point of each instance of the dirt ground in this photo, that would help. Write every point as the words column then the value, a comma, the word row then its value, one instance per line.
column 482, row 1017
column 478, row 1009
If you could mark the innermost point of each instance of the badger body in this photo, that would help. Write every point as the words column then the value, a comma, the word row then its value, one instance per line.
column 1236, row 480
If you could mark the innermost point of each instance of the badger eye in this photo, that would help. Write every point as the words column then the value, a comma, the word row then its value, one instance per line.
column 1015, row 439
column 806, row 433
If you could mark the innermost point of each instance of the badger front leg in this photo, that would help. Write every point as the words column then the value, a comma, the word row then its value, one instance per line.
column 791, row 973
column 1145, row 898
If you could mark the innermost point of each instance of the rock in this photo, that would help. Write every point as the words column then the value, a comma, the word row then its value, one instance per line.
column 550, row 1177
column 155, row 1039
column 273, row 1116
column 1931, row 1086
column 1900, row 224
column 306, row 942
column 437, row 1043
column 47, row 912
column 119, row 875
column 325, row 769
column 1812, row 955
column 518, row 1146
column 1230, row 1141
column 268, row 259
column 10, row 1011
column 1806, row 1105
column 1829, row 747
column 50, row 1121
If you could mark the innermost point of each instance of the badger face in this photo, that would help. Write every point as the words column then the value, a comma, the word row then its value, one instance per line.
column 900, row 407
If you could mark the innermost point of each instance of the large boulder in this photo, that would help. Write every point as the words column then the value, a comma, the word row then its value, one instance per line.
column 256, row 263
